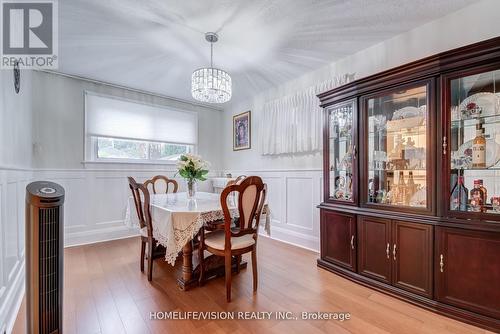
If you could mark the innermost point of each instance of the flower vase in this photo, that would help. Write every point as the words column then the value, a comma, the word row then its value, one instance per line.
column 191, row 189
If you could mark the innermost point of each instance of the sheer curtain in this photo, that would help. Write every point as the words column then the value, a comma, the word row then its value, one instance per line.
column 293, row 124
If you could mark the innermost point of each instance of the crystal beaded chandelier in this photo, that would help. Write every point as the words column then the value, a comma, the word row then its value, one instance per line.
column 209, row 84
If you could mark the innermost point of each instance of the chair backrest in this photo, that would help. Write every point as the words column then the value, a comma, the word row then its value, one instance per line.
column 155, row 180
column 141, row 201
column 251, row 197
column 236, row 181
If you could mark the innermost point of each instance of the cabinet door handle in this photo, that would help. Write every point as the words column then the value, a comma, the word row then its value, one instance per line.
column 444, row 145
column 352, row 241
column 394, row 252
column 387, row 250
column 441, row 263
column 354, row 152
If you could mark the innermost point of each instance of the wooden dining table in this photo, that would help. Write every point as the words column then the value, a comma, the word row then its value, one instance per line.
column 177, row 220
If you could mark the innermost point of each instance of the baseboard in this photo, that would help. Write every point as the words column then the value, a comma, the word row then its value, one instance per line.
column 99, row 235
column 292, row 238
column 13, row 300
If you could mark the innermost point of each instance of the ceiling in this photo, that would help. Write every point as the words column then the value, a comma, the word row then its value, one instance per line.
column 154, row 45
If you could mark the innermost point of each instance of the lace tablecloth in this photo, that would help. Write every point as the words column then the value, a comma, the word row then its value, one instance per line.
column 177, row 219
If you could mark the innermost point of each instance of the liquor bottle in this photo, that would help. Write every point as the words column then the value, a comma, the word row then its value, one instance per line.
column 476, row 197
column 479, row 148
column 402, row 188
column 458, row 197
column 485, row 192
column 412, row 187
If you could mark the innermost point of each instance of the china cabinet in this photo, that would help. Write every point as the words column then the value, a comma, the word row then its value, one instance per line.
column 412, row 182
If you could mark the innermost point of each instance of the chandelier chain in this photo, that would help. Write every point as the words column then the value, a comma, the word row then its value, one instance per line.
column 211, row 54
column 209, row 84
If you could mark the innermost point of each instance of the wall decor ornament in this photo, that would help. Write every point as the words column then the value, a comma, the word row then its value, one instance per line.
column 17, row 77
column 242, row 131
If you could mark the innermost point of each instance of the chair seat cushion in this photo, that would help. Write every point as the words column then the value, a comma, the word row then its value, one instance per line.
column 216, row 240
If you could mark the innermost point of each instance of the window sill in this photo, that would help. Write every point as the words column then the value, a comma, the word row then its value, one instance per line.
column 129, row 162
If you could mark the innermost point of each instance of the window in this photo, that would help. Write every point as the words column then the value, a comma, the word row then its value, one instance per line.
column 122, row 130
column 114, row 148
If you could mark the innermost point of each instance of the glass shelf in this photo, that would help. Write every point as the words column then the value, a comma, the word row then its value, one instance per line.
column 397, row 148
column 341, row 151
column 475, row 141
column 471, row 122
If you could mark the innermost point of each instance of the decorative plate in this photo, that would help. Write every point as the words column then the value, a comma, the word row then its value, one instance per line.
column 462, row 158
column 408, row 112
column 484, row 104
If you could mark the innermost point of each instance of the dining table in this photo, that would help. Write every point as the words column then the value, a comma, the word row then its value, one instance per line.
column 176, row 221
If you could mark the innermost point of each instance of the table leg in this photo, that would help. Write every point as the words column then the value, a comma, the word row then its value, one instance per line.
column 187, row 267
column 187, row 261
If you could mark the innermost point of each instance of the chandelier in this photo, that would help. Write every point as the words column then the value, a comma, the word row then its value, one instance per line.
column 209, row 84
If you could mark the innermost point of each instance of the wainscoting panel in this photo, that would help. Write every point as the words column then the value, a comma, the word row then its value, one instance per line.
column 96, row 200
column 299, row 201
column 13, row 183
column 292, row 197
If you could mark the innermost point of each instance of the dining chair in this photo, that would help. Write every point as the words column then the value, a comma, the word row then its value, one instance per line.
column 236, row 181
column 231, row 241
column 141, row 197
column 155, row 180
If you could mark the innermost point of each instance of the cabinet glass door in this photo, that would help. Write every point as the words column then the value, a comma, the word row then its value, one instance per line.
column 474, row 140
column 397, row 144
column 341, row 151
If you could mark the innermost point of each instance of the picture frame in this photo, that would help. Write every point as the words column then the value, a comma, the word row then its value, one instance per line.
column 242, row 131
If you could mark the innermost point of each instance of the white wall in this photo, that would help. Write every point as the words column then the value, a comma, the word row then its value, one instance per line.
column 15, row 173
column 446, row 33
column 58, row 107
column 96, row 193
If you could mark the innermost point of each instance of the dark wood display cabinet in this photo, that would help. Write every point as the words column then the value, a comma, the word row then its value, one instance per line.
column 412, row 183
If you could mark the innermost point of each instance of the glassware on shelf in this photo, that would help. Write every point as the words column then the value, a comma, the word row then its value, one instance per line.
column 459, row 196
column 474, row 138
column 495, row 203
column 397, row 147
column 341, row 150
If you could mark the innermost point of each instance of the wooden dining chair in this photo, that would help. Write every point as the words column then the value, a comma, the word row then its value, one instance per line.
column 142, row 206
column 236, row 181
column 156, row 180
column 227, row 241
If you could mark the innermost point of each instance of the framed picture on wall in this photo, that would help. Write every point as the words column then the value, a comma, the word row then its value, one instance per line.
column 242, row 131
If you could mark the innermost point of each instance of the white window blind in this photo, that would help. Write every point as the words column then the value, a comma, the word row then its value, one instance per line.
column 112, row 117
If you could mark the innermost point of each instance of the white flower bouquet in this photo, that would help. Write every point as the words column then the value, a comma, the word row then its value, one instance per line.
column 192, row 168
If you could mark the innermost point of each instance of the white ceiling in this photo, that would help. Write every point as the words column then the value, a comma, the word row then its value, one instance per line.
column 154, row 45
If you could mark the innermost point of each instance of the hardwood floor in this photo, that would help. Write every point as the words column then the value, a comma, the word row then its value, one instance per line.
column 105, row 292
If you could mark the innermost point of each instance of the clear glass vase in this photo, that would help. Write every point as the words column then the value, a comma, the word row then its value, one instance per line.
column 191, row 188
